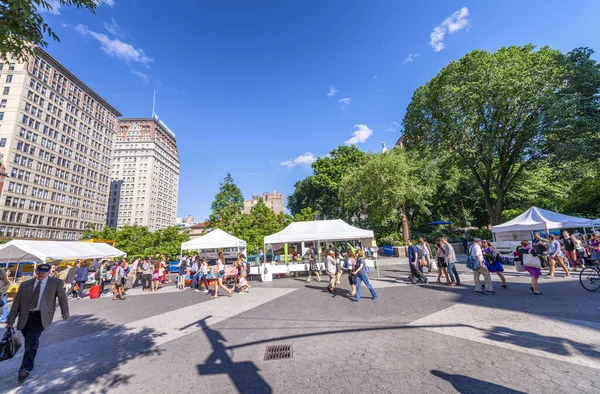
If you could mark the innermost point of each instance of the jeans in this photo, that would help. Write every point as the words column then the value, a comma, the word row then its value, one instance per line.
column 205, row 281
column 453, row 273
column 146, row 279
column 5, row 308
column 138, row 279
column 363, row 277
column 32, row 331
column 416, row 274
column 487, row 278
column 195, row 278
column 80, row 290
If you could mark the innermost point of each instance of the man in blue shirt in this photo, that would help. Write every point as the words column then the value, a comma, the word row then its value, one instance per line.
column 415, row 274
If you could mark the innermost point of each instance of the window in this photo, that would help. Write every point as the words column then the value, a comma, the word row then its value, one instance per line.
column 1, row 115
column 9, row 78
column 3, row 103
column 11, row 66
column 6, row 90
column 3, row 143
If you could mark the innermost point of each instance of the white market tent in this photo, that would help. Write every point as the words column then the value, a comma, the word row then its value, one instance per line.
column 216, row 239
column 596, row 222
column 318, row 230
column 33, row 251
column 540, row 219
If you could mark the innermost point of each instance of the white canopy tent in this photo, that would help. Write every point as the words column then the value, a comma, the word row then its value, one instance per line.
column 318, row 230
column 33, row 251
column 596, row 222
column 540, row 219
column 216, row 239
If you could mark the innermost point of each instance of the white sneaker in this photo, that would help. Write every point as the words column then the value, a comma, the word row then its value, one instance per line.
column 205, row 291
column 197, row 291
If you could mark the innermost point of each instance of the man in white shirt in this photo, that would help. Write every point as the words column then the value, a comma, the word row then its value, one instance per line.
column 476, row 252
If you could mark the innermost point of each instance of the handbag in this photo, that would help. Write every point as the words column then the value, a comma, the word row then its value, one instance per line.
column 531, row 261
column 423, row 262
column 10, row 345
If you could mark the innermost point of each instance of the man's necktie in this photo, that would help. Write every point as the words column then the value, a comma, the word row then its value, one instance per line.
column 35, row 297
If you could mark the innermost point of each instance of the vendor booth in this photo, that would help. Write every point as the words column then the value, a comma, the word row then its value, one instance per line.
column 209, row 245
column 24, row 255
column 284, row 250
column 508, row 236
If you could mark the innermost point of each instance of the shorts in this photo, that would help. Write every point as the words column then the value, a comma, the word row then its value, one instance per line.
column 595, row 254
column 442, row 262
column 351, row 279
column 314, row 267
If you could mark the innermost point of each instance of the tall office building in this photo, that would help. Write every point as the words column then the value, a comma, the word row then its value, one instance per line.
column 145, row 175
column 56, row 138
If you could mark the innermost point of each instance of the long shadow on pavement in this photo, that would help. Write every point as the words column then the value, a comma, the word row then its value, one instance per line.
column 467, row 384
column 244, row 375
column 82, row 363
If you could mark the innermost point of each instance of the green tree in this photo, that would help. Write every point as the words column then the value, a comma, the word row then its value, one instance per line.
column 306, row 215
column 135, row 240
column 227, row 206
column 167, row 242
column 501, row 113
column 22, row 24
column 321, row 190
column 260, row 222
column 390, row 185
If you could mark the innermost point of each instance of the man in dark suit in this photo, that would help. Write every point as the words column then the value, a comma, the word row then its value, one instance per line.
column 34, row 305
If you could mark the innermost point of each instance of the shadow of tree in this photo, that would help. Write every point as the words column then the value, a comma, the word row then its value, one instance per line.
column 85, row 359
column 467, row 384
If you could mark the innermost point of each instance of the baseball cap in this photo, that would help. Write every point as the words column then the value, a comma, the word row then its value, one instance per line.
column 43, row 268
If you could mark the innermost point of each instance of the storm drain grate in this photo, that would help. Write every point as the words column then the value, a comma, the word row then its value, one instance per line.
column 278, row 352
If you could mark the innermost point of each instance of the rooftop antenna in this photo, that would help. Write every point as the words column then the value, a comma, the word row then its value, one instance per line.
column 153, row 104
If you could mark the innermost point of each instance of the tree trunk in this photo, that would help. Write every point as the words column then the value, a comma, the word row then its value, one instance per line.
column 405, row 231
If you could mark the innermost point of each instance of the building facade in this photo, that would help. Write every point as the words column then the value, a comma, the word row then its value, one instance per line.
column 145, row 175
column 273, row 201
column 56, row 142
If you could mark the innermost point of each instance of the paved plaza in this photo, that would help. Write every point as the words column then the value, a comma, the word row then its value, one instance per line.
column 412, row 339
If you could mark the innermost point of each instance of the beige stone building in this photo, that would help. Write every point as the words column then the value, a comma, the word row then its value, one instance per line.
column 56, row 142
column 145, row 175
column 273, row 201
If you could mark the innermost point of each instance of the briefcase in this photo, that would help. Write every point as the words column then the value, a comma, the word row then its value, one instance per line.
column 10, row 345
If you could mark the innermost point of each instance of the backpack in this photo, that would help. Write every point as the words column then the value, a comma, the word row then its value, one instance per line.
column 247, row 267
column 472, row 261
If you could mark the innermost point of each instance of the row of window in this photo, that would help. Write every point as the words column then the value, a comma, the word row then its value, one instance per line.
column 18, row 232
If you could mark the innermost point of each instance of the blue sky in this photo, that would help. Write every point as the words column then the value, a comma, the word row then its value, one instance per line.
column 261, row 88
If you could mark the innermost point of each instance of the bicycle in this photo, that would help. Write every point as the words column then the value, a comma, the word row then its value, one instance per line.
column 590, row 278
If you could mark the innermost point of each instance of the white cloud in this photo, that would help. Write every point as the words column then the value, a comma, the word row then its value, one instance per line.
column 360, row 135
column 145, row 77
column 452, row 24
column 113, row 28
column 393, row 127
column 110, row 3
column 332, row 91
column 305, row 159
column 56, row 5
column 116, row 47
column 345, row 100
column 410, row 58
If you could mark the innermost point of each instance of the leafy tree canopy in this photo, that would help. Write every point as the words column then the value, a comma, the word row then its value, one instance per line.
column 227, row 206
column 22, row 24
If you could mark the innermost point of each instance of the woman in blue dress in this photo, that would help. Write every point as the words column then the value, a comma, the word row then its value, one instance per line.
column 493, row 261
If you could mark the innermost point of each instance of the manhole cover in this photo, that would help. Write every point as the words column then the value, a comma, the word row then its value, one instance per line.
column 278, row 352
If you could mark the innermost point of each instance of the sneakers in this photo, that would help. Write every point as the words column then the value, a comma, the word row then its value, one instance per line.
column 490, row 292
column 197, row 291
column 205, row 291
column 548, row 276
column 23, row 375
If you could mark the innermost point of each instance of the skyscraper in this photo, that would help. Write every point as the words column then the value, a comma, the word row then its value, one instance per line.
column 56, row 140
column 145, row 175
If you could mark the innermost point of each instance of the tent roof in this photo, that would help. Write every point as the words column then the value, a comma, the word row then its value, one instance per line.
column 30, row 250
column 596, row 222
column 215, row 239
column 318, row 230
column 540, row 219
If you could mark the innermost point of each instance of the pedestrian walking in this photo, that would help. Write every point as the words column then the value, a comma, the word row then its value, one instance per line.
column 33, row 309
column 594, row 246
column 81, row 279
column 441, row 261
column 475, row 251
column 243, row 272
column 312, row 266
column 451, row 260
column 164, row 264
column 119, row 279
column 220, row 276
column 70, row 280
column 155, row 276
column 146, row 267
column 338, row 266
column 362, row 275
column 573, row 250
column 426, row 254
column 534, row 272
column 139, row 273
column 330, row 268
column 351, row 266
column 493, row 261
column 4, row 285
column 416, row 275
column 556, row 256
